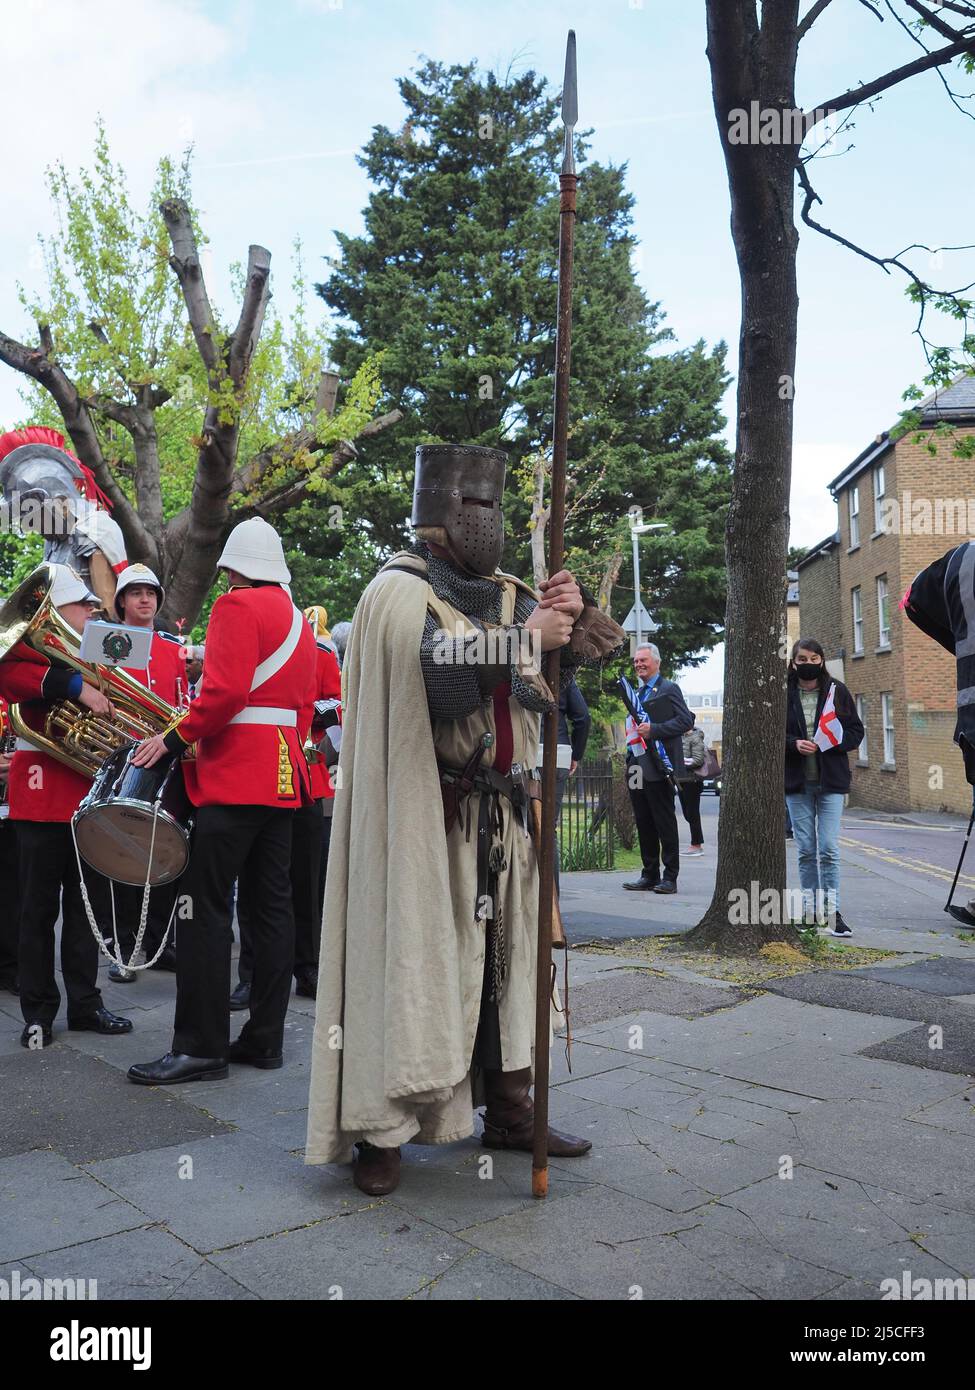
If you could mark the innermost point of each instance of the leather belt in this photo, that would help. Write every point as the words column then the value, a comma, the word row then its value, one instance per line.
column 266, row 714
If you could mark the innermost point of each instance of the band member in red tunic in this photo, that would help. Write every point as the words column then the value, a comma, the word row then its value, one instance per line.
column 309, row 840
column 247, row 779
column 43, row 796
column 138, row 597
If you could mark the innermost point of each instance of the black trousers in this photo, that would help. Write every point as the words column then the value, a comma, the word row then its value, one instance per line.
column 230, row 842
column 690, row 803
column 9, row 899
column 49, row 884
column 128, row 907
column 305, row 873
column 326, row 842
column 656, row 824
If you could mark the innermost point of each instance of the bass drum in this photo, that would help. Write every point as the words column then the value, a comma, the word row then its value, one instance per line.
column 114, row 823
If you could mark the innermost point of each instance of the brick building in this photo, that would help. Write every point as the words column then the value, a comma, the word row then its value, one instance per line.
column 901, row 505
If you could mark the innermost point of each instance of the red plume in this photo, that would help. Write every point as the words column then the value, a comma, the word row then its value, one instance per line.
column 41, row 434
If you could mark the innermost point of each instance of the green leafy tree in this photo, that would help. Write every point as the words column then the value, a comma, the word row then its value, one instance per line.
column 188, row 423
column 454, row 278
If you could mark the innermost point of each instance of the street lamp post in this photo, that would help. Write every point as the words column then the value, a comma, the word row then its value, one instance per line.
column 638, row 529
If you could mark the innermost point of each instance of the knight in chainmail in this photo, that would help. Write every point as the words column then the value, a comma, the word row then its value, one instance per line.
column 480, row 644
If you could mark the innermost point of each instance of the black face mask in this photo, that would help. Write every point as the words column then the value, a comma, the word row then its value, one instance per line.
column 806, row 671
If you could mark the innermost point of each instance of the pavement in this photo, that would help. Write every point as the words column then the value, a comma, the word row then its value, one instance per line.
column 803, row 1141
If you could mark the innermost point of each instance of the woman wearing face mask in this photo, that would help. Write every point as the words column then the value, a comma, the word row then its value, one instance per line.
column 817, row 780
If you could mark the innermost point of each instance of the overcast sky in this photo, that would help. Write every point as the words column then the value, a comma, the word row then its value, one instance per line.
column 277, row 98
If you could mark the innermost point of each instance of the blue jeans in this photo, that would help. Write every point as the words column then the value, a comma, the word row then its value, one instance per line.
column 816, row 826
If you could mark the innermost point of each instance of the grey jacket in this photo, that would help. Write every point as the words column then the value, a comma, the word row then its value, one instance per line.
column 695, row 748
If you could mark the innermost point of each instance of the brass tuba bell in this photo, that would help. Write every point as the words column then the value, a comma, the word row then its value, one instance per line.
column 72, row 733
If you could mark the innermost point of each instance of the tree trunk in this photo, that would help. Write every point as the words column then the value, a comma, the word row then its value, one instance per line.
column 751, row 871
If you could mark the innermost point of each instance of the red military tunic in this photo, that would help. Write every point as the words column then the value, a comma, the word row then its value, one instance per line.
column 250, row 763
column 40, row 788
column 328, row 687
column 166, row 673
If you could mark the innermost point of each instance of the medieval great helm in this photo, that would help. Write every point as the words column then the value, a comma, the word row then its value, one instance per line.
column 458, row 488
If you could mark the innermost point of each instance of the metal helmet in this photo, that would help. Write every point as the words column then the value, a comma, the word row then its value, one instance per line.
column 459, row 487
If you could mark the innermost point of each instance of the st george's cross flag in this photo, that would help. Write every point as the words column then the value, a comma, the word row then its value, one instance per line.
column 829, row 730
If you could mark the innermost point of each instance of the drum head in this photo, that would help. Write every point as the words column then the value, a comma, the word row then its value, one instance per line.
column 114, row 837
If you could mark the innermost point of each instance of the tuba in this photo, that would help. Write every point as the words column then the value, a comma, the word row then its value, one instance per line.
column 72, row 733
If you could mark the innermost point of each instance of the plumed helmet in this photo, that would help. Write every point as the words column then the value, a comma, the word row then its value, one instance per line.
column 459, row 487
column 137, row 574
column 254, row 550
column 318, row 620
column 35, row 463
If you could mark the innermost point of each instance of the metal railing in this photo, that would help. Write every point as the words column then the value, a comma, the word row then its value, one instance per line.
column 586, row 825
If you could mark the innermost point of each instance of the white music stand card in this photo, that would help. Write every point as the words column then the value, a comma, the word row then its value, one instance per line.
column 116, row 644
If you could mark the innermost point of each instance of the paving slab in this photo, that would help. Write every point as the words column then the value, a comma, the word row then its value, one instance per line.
column 479, row 1278
column 717, row 1166
column 817, row 1071
column 626, row 991
column 759, row 1267
column 46, row 1203
column 956, row 1113
column 633, row 1169
column 375, row 1253
column 862, row 993
column 857, row 1140
column 242, row 1188
column 81, row 1107
column 605, row 1245
column 148, row 1263
column 477, row 1185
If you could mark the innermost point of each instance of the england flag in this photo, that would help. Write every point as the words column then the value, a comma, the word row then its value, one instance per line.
column 829, row 730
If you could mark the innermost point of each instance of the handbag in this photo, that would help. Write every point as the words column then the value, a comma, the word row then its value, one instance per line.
column 710, row 767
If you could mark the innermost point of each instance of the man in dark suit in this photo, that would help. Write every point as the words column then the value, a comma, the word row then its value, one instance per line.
column 651, row 790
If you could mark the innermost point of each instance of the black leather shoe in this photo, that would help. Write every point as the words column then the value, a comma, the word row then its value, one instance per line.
column 306, row 984
column 167, row 961
column 666, row 885
column 254, row 1057
column 241, row 998
column 32, row 1031
column 101, row 1021
column 642, row 885
column 119, row 975
column 177, row 1066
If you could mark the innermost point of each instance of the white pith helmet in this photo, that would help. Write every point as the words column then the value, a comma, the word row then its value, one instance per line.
column 69, row 587
column 137, row 574
column 254, row 550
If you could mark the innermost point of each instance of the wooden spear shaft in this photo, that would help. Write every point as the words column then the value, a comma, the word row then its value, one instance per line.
column 556, row 547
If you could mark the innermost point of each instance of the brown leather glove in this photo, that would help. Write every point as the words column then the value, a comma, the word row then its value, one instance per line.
column 595, row 635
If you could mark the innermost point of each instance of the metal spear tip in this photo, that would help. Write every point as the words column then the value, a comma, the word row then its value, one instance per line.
column 570, row 90
column 570, row 102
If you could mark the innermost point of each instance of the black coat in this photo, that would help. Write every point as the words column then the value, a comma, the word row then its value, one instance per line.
column 669, row 731
column 834, row 766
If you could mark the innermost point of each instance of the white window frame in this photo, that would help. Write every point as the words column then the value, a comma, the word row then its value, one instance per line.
column 861, row 705
column 883, row 601
column 854, row 516
column 887, row 719
column 857, row 599
column 879, row 493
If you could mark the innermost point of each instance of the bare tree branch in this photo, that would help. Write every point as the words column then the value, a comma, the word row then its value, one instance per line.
column 810, row 17
column 937, row 24
column 937, row 58
column 185, row 261
column 250, row 476
column 257, row 292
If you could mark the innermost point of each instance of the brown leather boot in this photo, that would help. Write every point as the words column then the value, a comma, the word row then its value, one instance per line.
column 509, row 1116
column 376, row 1171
